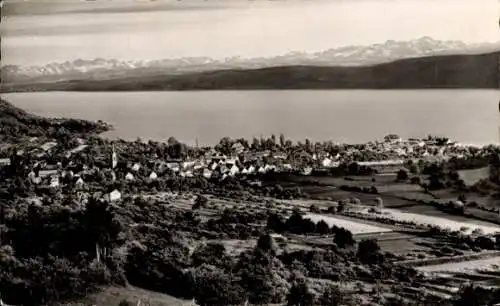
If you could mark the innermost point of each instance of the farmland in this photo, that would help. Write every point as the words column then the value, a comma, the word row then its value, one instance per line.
column 354, row 227
column 492, row 264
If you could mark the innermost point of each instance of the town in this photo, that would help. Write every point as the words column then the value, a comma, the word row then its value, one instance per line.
column 268, row 221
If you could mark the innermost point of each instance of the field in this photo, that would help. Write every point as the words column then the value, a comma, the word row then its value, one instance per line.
column 466, row 266
column 470, row 177
column 354, row 227
column 443, row 222
column 114, row 295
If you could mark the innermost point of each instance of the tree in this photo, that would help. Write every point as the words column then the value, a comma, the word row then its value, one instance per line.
column 477, row 296
column 282, row 141
column 314, row 209
column 266, row 243
column 402, row 175
column 353, row 168
column 213, row 286
column 212, row 254
column 331, row 296
column 368, row 250
column 343, row 238
column 300, row 295
column 322, row 227
column 200, row 202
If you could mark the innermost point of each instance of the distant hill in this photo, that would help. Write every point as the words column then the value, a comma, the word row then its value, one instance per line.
column 16, row 123
column 446, row 71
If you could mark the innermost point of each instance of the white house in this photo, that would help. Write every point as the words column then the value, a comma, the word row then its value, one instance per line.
column 238, row 148
column 261, row 170
column 326, row 162
column 136, row 167
column 268, row 168
column 188, row 164
column 54, row 182
column 251, row 169
column 153, row 176
column 129, row 177
column 214, row 166
column 234, row 170
column 244, row 171
column 79, row 183
column 207, row 173
column 115, row 195
column 307, row 171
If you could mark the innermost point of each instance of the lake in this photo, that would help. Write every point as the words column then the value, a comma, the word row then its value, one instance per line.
column 352, row 116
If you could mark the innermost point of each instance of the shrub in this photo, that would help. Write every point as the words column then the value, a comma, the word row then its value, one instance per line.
column 343, row 238
column 300, row 295
column 368, row 251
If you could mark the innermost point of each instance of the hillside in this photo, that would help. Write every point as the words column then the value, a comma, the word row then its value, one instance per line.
column 16, row 123
column 447, row 71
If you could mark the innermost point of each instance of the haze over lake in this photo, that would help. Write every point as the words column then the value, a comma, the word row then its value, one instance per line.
column 352, row 116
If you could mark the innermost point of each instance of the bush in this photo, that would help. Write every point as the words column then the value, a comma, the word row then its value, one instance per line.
column 343, row 238
column 331, row 296
column 402, row 175
column 213, row 286
column 368, row 251
column 300, row 295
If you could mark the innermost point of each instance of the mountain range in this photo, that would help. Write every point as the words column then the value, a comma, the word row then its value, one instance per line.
column 354, row 56
column 478, row 71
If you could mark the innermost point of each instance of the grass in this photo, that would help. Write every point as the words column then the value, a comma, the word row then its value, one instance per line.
column 470, row 177
column 444, row 222
column 464, row 266
column 354, row 227
column 112, row 296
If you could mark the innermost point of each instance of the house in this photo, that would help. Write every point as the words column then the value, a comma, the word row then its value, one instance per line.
column 244, row 171
column 307, row 171
column 251, row 169
column 69, row 174
column 114, row 195
column 48, row 145
column 224, row 169
column 153, row 176
column 214, row 166
column 33, row 178
column 54, row 182
column 79, row 183
column 268, row 168
column 4, row 161
column 187, row 174
column 392, row 138
column 326, row 162
column 207, row 173
column 280, row 156
column 45, row 173
column 129, row 177
column 234, row 170
column 188, row 164
column 238, row 148
column 136, row 167
column 174, row 167
column 261, row 170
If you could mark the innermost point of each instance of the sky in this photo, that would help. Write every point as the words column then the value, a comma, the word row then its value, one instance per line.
column 39, row 32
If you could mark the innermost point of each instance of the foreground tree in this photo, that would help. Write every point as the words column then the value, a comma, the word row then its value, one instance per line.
column 300, row 295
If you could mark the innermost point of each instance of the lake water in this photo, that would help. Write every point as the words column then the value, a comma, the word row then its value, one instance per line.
column 353, row 116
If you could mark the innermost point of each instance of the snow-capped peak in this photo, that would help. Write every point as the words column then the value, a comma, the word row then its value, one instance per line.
column 342, row 56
